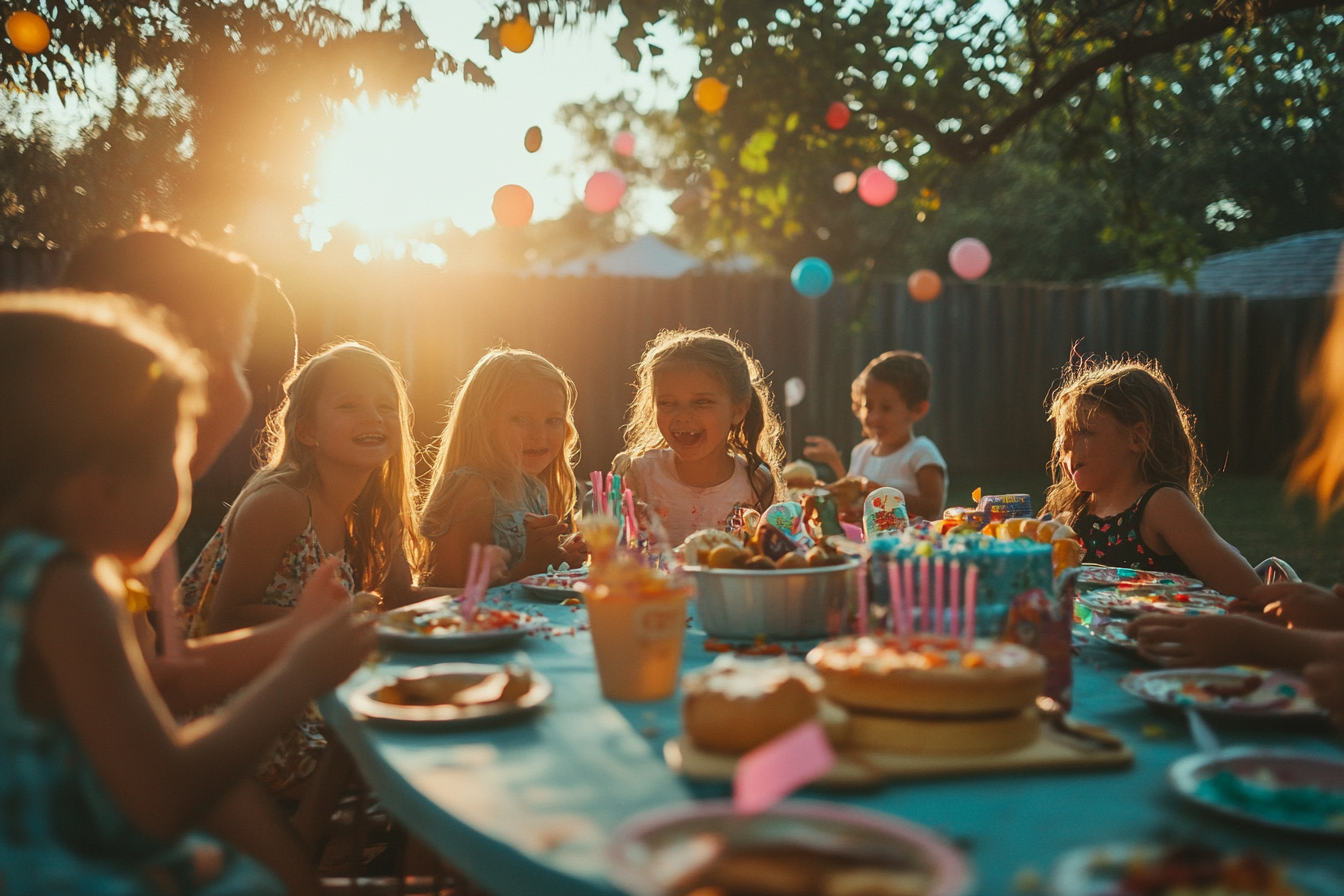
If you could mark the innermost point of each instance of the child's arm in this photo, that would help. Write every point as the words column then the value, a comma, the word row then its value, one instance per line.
column 1173, row 525
column 1207, row 641
column 1325, row 676
column 823, row 451
column 470, row 522
column 166, row 778
column 263, row 528
column 1297, row 605
column 249, row 820
column 928, row 501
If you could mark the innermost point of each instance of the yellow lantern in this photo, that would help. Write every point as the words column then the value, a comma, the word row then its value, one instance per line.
column 516, row 34
column 28, row 32
column 710, row 94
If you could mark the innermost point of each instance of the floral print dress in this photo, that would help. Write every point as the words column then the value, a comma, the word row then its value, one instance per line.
column 294, row 756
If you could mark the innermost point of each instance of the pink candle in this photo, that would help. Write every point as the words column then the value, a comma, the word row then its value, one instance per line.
column 596, row 479
column 606, row 495
column 954, row 582
column 896, row 617
column 924, row 596
column 908, row 568
column 938, row 595
column 972, row 575
column 863, row 597
column 631, row 526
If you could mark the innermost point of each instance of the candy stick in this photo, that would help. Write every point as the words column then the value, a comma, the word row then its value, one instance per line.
column 924, row 623
column 972, row 575
column 908, row 568
column 954, row 580
column 938, row 565
column 863, row 597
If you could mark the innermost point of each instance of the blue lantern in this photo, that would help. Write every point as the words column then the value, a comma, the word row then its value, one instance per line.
column 812, row 277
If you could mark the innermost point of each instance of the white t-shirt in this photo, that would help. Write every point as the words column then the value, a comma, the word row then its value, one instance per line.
column 685, row 509
column 900, row 469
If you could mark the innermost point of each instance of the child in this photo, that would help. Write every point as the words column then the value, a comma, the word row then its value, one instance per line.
column 1128, row 477
column 338, row 482
column 702, row 438
column 504, row 474
column 889, row 398
column 99, row 784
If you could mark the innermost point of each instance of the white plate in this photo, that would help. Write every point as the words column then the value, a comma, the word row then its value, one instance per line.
column 1092, row 576
column 392, row 637
column 1259, row 773
column 1278, row 695
column 1097, row 871
column 555, row 587
column 1111, row 632
column 1117, row 602
column 446, row 715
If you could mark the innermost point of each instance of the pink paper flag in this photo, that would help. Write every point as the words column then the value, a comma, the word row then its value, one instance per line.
column 778, row 767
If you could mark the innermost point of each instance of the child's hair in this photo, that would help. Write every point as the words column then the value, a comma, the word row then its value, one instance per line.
column 383, row 516
column 757, row 438
column 906, row 372
column 468, row 438
column 86, row 381
column 1318, row 467
column 1132, row 392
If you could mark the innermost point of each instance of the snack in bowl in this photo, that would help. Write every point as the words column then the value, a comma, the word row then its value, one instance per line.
column 736, row 704
column 766, row 548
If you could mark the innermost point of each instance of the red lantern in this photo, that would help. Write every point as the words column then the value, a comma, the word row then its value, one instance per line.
column 837, row 116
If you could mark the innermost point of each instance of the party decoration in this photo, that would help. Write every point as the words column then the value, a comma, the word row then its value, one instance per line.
column 623, row 144
column 795, row 390
column 969, row 258
column 812, row 277
column 876, row 187
column 837, row 116
column 28, row 32
column 710, row 94
column 845, row 181
column 517, row 34
column 924, row 285
column 532, row 139
column 512, row 206
column 884, row 513
column 603, row 191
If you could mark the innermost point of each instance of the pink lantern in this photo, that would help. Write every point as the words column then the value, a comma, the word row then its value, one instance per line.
column 876, row 187
column 604, row 191
column 623, row 144
column 969, row 258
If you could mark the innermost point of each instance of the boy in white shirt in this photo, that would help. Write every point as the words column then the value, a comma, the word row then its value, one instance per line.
column 889, row 398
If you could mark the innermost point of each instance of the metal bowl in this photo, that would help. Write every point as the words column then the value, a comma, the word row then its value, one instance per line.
column 784, row 604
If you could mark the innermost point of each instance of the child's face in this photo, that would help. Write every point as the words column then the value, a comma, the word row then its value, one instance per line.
column 696, row 413
column 1096, row 450
column 885, row 415
column 356, row 420
column 530, row 428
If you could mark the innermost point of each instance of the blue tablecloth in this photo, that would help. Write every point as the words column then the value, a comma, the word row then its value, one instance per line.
column 526, row 810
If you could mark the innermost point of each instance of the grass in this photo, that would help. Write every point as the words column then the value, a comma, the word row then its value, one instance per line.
column 1251, row 513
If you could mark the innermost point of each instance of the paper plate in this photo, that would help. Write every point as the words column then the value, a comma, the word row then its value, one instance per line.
column 1230, row 690
column 394, row 637
column 1124, row 602
column 1286, row 789
column 1111, row 632
column 651, row 851
column 1110, row 575
column 1098, row 870
column 554, row 587
column 363, row 703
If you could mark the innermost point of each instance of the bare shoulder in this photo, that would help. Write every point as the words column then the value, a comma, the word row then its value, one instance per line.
column 1168, row 502
column 276, row 510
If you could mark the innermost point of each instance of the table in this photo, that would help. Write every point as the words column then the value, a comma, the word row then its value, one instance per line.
column 526, row 810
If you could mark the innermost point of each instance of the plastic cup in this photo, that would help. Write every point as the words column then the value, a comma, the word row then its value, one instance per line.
column 637, row 639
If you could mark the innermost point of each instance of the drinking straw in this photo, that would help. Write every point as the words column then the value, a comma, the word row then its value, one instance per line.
column 972, row 574
column 954, row 581
column 938, row 565
column 908, row 568
column 924, row 623
column 863, row 597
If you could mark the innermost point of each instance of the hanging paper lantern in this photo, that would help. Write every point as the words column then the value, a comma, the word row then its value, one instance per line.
column 623, row 144
column 512, row 206
column 603, row 191
column 924, row 285
column 517, row 34
column 28, row 32
column 837, row 116
column 812, row 277
column 710, row 94
column 845, row 181
column 532, row 139
column 969, row 258
column 875, row 187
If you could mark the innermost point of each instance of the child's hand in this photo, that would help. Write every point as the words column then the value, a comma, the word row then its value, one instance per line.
column 1201, row 641
column 823, row 451
column 575, row 550
column 1326, row 679
column 324, row 594
column 327, row 651
column 498, row 559
column 543, row 543
column 1296, row 605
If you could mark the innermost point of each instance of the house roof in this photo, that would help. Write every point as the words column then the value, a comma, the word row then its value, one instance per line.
column 1291, row 267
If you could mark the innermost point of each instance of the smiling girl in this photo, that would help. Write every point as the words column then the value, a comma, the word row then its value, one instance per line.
column 702, row 438
column 1128, row 476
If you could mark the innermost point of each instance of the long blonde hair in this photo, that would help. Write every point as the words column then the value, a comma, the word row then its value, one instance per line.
column 1133, row 392
column 382, row 519
column 757, row 438
column 1318, row 468
column 468, row 438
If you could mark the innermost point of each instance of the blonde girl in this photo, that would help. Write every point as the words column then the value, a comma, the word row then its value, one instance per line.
column 504, row 474
column 102, row 784
column 1128, row 476
column 702, row 438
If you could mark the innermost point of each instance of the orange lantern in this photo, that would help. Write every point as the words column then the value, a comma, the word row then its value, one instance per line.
column 512, row 206
column 28, row 32
column 924, row 285
column 517, row 34
column 710, row 94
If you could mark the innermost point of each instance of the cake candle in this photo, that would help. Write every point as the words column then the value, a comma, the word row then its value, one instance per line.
column 924, row 625
column 908, row 590
column 972, row 577
column 895, row 617
column 938, row 570
column 596, row 479
column 863, row 598
column 954, row 582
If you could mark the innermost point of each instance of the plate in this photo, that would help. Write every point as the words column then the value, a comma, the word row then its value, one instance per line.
column 653, row 851
column 1126, row 602
column 1112, row 633
column 1098, row 870
column 447, row 715
column 1285, row 789
column 554, row 587
column 392, row 637
column 1231, row 690
column 1093, row 576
